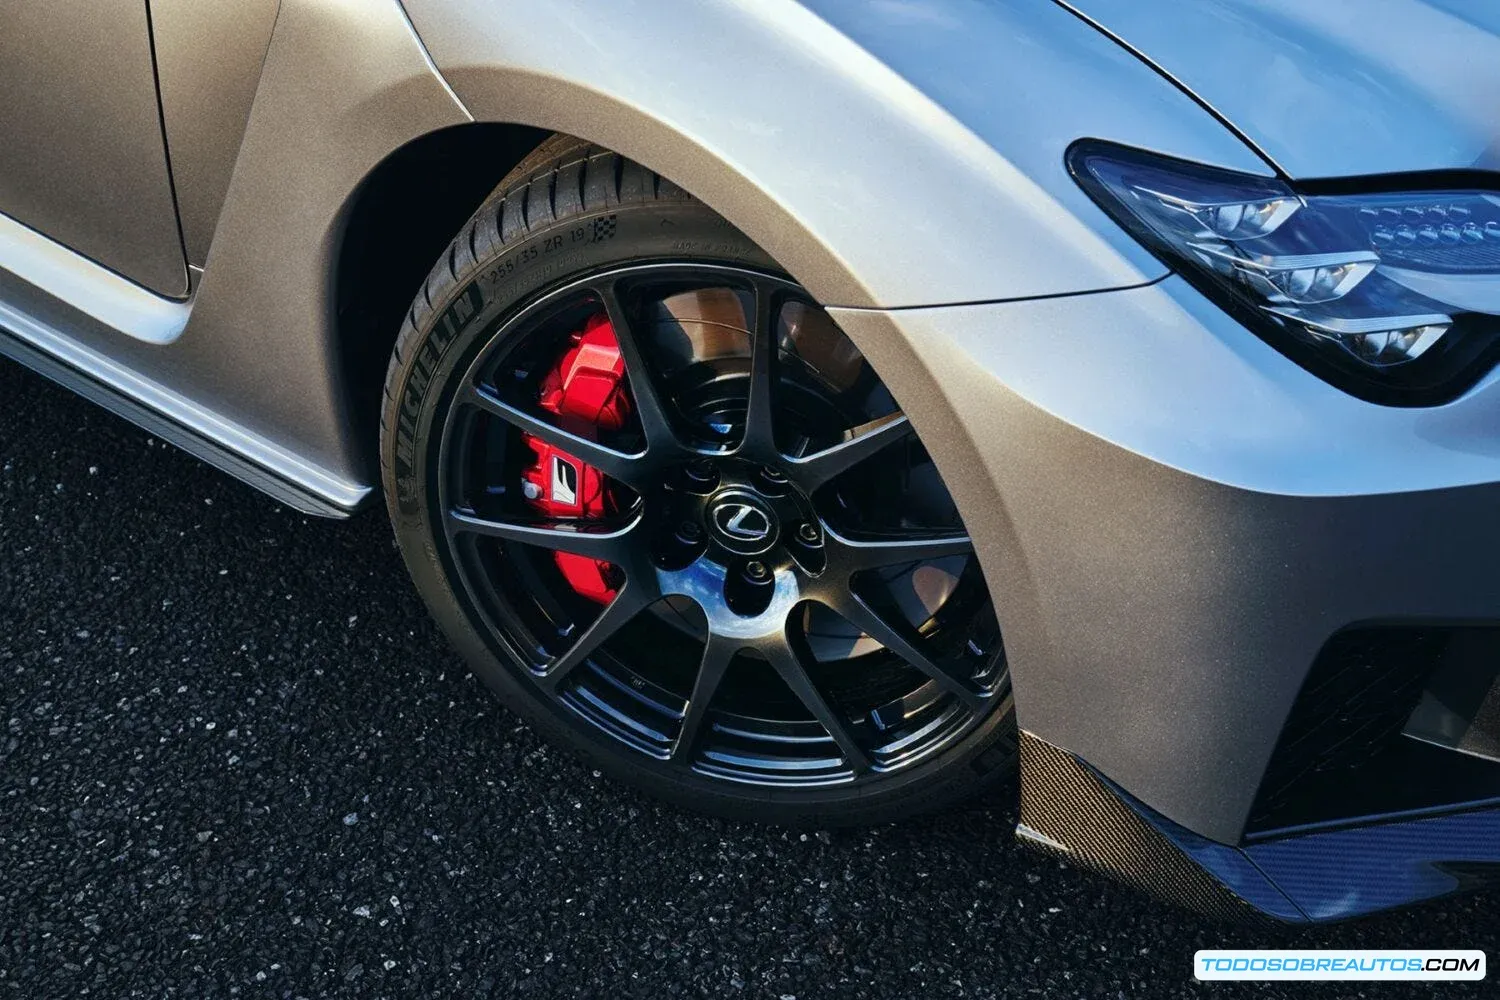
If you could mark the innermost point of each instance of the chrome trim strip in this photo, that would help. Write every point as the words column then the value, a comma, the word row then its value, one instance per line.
column 89, row 287
column 225, row 434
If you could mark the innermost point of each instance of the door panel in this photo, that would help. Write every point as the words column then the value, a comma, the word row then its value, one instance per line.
column 82, row 158
column 208, row 59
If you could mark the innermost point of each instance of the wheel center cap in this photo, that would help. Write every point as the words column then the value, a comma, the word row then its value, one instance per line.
column 742, row 522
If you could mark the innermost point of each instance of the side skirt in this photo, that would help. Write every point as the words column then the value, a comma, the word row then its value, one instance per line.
column 336, row 499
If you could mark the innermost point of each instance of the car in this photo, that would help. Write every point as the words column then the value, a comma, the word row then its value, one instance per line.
column 819, row 412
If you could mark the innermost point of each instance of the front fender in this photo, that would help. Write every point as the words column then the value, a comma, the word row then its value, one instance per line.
column 887, row 154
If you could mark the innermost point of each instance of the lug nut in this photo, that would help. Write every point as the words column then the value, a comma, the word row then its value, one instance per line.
column 689, row 531
column 756, row 570
column 773, row 475
column 809, row 533
column 701, row 470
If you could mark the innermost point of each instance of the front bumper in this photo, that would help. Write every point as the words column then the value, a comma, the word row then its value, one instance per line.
column 1070, row 810
column 1175, row 521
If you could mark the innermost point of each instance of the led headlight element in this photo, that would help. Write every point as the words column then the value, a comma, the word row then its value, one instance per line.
column 1392, row 295
column 1299, row 278
column 1378, row 340
column 1229, row 220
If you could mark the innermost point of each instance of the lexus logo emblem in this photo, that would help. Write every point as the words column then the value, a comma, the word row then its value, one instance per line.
column 740, row 520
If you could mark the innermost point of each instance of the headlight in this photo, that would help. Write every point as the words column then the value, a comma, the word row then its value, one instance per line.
column 1391, row 295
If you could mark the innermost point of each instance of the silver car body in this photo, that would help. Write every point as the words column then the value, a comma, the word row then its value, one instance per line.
column 1173, row 516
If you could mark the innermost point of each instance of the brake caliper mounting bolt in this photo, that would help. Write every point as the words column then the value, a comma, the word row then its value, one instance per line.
column 532, row 490
column 756, row 570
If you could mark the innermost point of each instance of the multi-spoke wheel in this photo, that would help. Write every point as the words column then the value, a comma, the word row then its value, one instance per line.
column 670, row 511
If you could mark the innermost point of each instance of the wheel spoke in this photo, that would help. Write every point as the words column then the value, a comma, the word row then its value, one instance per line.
column 760, row 426
column 717, row 652
column 628, row 469
column 855, row 554
column 629, row 601
column 812, row 471
column 788, row 664
column 581, row 538
column 650, row 409
column 856, row 612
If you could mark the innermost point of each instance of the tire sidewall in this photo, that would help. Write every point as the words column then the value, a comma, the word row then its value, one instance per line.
column 420, row 387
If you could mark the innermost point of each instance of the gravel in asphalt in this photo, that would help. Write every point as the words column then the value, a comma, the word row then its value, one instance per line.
column 237, row 759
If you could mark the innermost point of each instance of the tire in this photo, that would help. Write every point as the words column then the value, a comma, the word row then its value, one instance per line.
column 572, row 209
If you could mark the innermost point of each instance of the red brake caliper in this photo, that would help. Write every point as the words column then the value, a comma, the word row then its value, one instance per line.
column 586, row 390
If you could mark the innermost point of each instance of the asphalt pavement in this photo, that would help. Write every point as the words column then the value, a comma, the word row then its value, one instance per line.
column 237, row 759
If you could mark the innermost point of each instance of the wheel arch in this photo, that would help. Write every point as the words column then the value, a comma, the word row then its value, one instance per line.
column 405, row 212
column 395, row 224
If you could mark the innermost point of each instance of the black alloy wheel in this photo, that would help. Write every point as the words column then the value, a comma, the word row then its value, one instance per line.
column 739, row 581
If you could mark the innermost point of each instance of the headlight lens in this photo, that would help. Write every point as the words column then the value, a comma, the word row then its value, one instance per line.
column 1392, row 295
